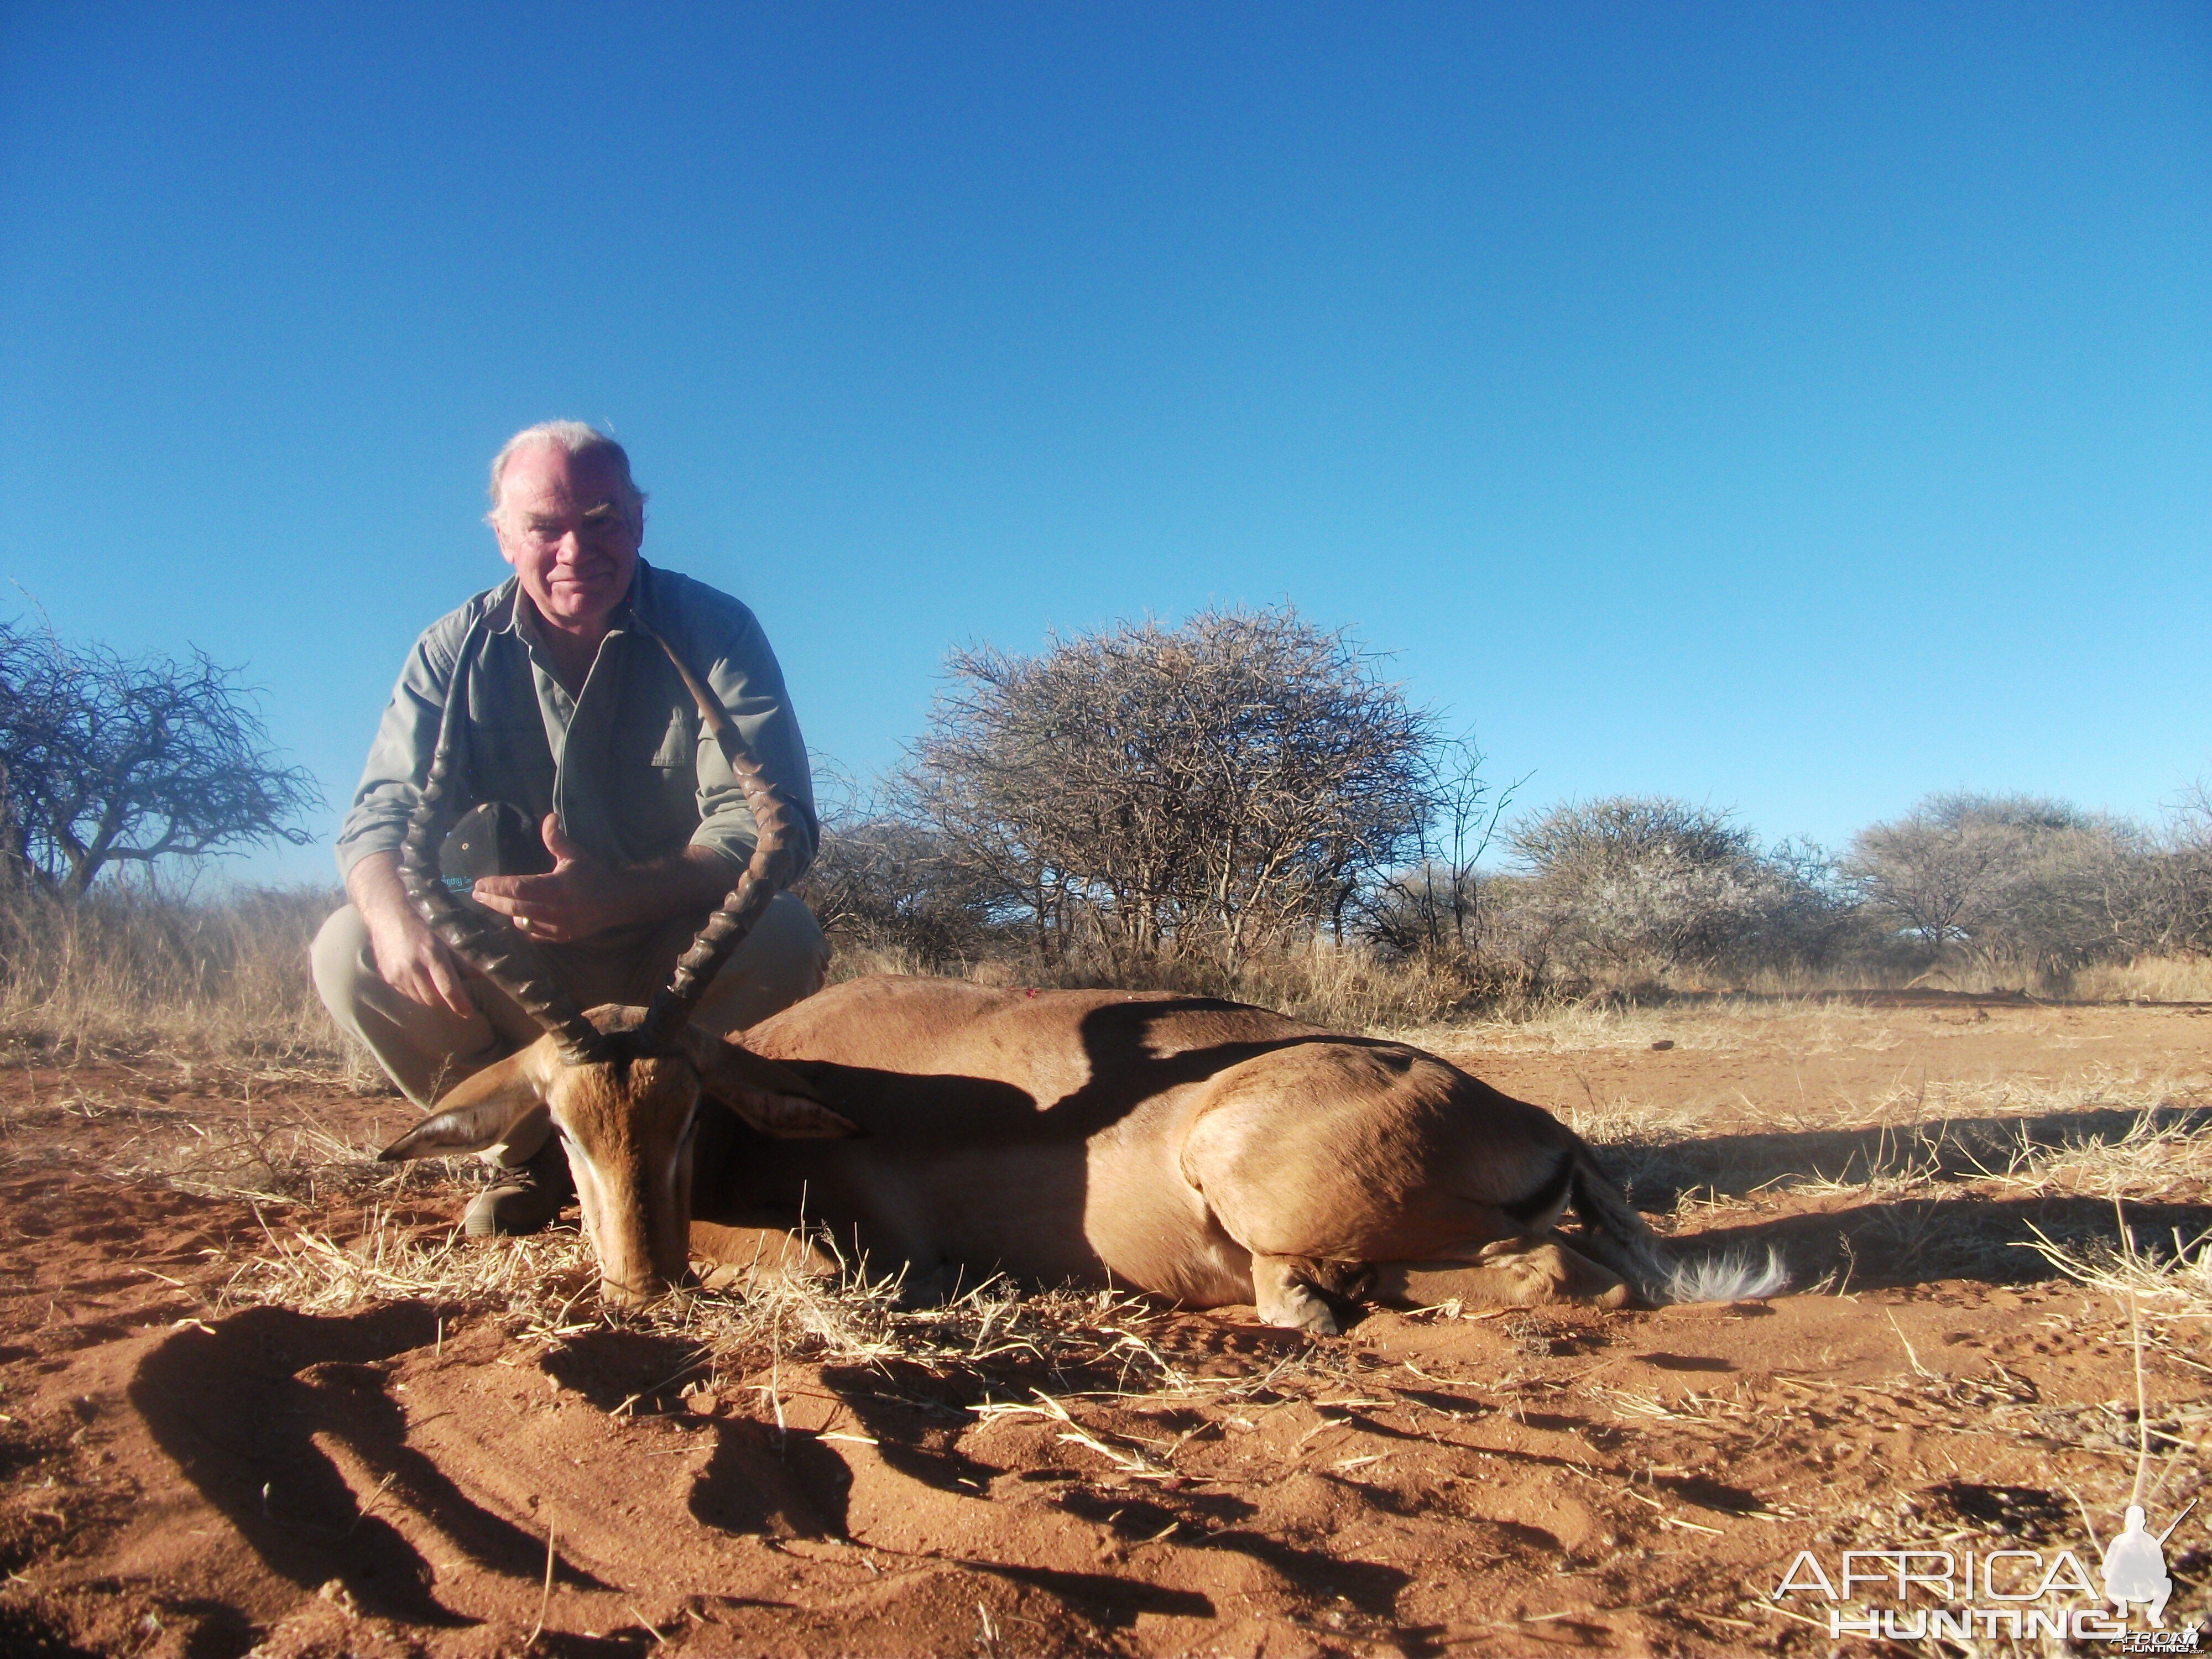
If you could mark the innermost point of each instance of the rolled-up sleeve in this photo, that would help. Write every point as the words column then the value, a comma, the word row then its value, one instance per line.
column 399, row 758
column 742, row 672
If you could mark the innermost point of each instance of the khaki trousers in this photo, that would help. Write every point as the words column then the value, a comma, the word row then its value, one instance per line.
column 428, row 1050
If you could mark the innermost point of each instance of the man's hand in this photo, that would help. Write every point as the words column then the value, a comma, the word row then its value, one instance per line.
column 585, row 895
column 410, row 957
column 580, row 897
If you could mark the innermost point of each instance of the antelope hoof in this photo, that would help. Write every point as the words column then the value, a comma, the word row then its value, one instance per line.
column 1528, row 1275
column 1284, row 1298
column 1304, row 1312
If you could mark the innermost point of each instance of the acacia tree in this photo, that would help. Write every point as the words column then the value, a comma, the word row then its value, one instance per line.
column 1647, row 882
column 2160, row 902
column 2016, row 877
column 1435, row 907
column 1930, row 870
column 107, row 759
column 1216, row 787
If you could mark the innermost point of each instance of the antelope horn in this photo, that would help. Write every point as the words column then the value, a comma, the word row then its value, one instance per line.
column 768, row 872
column 498, row 952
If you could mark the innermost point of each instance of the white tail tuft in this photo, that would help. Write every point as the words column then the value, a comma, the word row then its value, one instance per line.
column 1738, row 1276
column 1620, row 1238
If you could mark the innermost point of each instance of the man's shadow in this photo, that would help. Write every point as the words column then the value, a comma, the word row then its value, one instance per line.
column 238, row 1408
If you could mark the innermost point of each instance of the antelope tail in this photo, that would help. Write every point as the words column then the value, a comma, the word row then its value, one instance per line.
column 1618, row 1238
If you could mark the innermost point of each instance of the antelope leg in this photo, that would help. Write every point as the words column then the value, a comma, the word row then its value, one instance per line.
column 1511, row 1272
column 1283, row 1290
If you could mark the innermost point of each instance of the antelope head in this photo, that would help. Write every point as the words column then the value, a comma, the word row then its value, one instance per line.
column 622, row 1086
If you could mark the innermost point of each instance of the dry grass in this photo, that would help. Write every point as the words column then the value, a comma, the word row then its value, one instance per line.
column 131, row 969
column 135, row 970
column 1007, row 1348
column 2173, row 1284
column 2150, row 979
column 280, row 1164
column 1345, row 987
column 394, row 1259
column 1350, row 988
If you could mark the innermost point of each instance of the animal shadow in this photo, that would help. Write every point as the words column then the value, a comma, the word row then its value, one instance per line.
column 238, row 1408
column 756, row 1481
column 1109, row 1599
column 783, row 1485
column 915, row 1435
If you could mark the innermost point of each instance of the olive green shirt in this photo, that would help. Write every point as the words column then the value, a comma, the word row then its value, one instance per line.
column 626, row 762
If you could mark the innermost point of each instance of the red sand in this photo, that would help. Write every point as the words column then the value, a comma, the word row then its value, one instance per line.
column 177, row 1480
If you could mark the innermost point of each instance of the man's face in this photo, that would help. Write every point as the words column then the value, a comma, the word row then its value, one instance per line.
column 565, row 526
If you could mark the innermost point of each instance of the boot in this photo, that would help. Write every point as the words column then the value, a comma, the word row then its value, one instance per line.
column 525, row 1198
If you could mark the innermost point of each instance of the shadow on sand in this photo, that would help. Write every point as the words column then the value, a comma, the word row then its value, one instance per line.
column 239, row 1408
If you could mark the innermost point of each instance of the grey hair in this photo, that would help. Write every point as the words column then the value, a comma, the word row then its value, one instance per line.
column 578, row 440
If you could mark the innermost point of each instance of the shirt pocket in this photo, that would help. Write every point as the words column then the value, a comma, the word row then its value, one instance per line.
column 656, row 766
column 512, row 761
column 663, row 742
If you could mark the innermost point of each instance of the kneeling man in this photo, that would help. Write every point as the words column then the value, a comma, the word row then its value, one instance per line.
column 577, row 730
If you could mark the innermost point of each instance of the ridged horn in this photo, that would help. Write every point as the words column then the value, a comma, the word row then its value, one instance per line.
column 493, row 948
column 767, row 875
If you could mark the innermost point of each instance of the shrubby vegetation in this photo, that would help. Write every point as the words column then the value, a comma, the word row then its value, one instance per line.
column 1206, row 792
column 1243, row 803
column 2040, row 885
column 117, row 774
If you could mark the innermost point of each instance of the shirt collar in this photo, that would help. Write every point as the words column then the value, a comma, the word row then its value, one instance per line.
column 504, row 614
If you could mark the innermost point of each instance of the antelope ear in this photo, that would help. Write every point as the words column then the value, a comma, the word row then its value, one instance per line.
column 477, row 1111
column 773, row 1099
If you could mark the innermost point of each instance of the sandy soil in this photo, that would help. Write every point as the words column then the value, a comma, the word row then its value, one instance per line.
column 190, row 1467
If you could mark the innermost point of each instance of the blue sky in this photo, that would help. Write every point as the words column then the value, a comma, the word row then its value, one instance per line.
column 1796, row 409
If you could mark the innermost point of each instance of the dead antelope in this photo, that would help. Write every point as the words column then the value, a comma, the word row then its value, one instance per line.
column 1203, row 1150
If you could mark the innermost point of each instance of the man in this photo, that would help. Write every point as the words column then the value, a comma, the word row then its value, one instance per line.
column 576, row 718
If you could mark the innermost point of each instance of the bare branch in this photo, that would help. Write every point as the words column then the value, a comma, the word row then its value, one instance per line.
column 107, row 758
